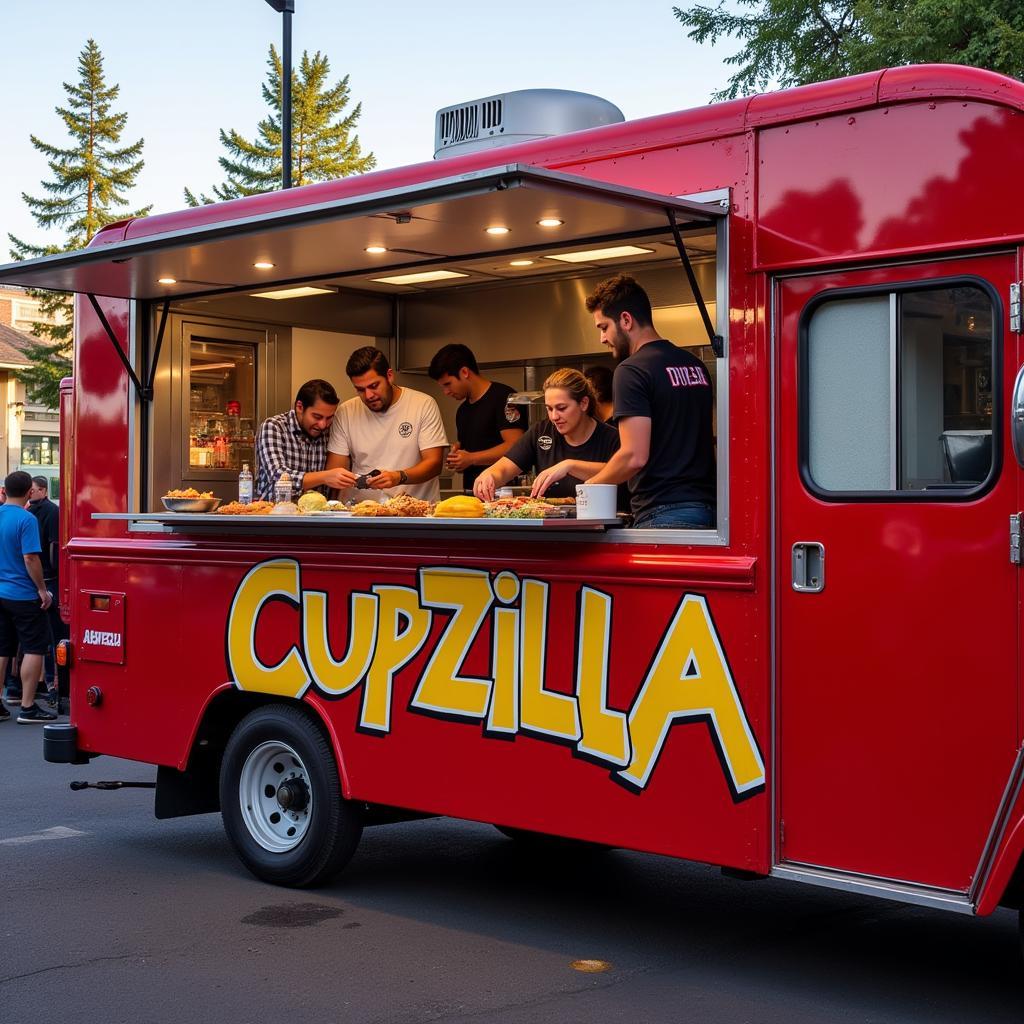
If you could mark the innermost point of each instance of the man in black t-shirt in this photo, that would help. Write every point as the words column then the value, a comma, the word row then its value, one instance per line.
column 486, row 425
column 663, row 405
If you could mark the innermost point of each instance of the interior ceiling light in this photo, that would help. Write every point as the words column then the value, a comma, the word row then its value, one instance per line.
column 292, row 293
column 166, row 280
column 376, row 249
column 520, row 263
column 614, row 252
column 550, row 222
column 498, row 229
column 420, row 278
column 263, row 265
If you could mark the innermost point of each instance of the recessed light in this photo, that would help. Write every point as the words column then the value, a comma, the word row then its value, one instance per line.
column 292, row 293
column 376, row 249
column 600, row 254
column 498, row 229
column 550, row 222
column 263, row 265
column 420, row 278
column 520, row 263
column 166, row 280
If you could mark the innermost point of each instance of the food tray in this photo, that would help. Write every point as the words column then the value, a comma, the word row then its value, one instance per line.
column 190, row 504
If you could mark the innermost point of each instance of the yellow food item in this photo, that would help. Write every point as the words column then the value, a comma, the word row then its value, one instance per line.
column 312, row 501
column 189, row 492
column 462, row 506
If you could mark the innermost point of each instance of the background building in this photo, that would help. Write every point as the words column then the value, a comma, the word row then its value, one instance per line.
column 29, row 432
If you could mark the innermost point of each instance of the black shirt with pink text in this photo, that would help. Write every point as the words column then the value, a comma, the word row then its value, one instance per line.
column 670, row 386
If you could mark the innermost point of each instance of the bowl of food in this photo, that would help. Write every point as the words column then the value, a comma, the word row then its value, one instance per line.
column 190, row 500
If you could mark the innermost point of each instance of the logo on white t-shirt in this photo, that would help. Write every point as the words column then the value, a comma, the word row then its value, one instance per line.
column 405, row 429
column 544, row 442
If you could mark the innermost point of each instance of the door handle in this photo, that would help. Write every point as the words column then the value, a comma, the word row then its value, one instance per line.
column 1017, row 419
column 809, row 567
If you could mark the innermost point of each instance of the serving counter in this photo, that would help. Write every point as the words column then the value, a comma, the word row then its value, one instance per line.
column 338, row 525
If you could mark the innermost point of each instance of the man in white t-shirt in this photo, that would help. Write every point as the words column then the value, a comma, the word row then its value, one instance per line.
column 393, row 432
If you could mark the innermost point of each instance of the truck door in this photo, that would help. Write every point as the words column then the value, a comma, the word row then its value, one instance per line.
column 897, row 624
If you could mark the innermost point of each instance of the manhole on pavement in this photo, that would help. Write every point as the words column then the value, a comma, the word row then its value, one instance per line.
column 292, row 915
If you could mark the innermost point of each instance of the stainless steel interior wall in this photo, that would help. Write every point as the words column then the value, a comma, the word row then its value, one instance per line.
column 535, row 319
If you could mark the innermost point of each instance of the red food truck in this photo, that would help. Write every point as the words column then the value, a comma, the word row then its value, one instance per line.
column 784, row 694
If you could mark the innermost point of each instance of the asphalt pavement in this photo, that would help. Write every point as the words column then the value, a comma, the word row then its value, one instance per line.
column 109, row 915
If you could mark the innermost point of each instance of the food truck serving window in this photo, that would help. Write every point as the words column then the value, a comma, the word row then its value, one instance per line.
column 899, row 392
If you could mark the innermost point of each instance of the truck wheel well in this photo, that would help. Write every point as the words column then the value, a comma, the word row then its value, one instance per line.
column 195, row 790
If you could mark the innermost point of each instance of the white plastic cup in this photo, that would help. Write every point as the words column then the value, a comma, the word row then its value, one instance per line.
column 596, row 501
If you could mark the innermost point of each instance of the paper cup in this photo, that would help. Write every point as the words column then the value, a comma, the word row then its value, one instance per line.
column 595, row 501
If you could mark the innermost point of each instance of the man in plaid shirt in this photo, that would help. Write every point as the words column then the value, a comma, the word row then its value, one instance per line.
column 295, row 442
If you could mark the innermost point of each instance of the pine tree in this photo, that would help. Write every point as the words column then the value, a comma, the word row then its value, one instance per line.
column 90, row 180
column 324, row 145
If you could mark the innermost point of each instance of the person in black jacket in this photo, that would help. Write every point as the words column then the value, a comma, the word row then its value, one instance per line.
column 48, row 516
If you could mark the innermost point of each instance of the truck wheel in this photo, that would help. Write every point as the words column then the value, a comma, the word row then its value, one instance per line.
column 281, row 800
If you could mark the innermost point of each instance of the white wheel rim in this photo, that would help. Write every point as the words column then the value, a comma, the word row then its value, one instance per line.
column 264, row 797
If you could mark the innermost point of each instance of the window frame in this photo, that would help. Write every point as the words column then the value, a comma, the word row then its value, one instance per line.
column 946, row 495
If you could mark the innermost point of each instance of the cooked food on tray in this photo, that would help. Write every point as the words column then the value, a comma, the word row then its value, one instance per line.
column 254, row 508
column 522, row 508
column 407, row 505
column 369, row 509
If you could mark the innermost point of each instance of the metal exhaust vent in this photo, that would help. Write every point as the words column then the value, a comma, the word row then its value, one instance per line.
column 517, row 117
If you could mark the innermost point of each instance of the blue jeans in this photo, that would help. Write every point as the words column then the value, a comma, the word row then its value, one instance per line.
column 688, row 515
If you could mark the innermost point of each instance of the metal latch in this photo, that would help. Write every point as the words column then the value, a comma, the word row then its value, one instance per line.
column 809, row 567
column 1015, row 322
column 1015, row 539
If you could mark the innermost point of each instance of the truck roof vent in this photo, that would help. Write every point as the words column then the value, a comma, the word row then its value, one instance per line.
column 517, row 117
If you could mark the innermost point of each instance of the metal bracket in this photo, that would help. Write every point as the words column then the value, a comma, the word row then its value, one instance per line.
column 716, row 341
column 1015, row 553
column 144, row 391
column 1015, row 318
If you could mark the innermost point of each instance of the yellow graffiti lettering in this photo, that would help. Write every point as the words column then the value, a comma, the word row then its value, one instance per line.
column 288, row 678
column 503, row 714
column 541, row 710
column 690, row 679
column 605, row 733
column 467, row 594
column 396, row 646
column 332, row 676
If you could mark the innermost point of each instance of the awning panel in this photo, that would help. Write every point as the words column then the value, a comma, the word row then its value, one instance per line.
column 430, row 222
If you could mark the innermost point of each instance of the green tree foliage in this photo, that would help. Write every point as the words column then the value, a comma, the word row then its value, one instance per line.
column 91, row 177
column 324, row 145
column 794, row 42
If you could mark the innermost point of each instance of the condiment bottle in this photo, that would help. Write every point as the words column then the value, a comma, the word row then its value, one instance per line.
column 245, row 485
column 283, row 488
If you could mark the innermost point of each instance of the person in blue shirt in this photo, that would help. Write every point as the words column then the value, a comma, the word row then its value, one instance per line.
column 23, row 596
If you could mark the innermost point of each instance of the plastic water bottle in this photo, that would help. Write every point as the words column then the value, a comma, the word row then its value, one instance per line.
column 283, row 489
column 245, row 485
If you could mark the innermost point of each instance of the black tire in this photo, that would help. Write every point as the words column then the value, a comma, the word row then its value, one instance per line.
column 286, row 742
column 544, row 842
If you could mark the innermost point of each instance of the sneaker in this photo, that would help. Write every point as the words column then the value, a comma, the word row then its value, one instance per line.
column 12, row 700
column 4, row 714
column 34, row 714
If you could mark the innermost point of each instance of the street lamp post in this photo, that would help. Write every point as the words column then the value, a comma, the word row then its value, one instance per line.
column 286, row 8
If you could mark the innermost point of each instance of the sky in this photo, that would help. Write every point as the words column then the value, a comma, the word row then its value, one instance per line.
column 188, row 68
